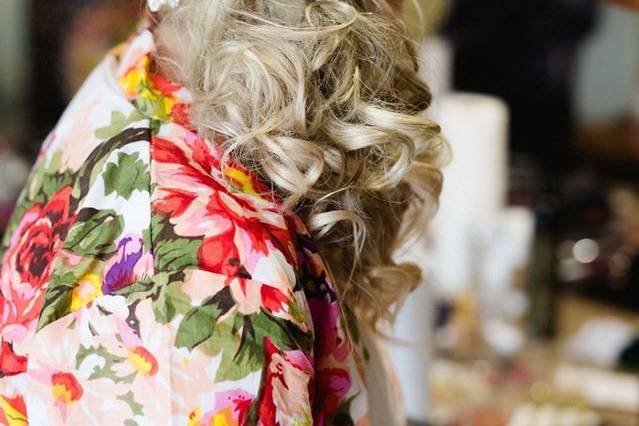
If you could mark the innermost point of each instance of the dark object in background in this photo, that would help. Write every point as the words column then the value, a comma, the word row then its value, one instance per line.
column 598, row 233
column 49, row 18
column 68, row 38
column 524, row 52
column 629, row 357
column 542, row 277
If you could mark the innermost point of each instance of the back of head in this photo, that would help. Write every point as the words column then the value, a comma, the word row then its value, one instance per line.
column 322, row 100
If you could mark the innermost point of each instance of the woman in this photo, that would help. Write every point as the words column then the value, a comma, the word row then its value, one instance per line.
column 210, row 226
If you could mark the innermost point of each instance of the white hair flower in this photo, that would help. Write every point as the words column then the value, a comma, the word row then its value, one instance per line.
column 155, row 5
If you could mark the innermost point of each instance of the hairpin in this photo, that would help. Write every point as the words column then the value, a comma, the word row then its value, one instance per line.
column 156, row 5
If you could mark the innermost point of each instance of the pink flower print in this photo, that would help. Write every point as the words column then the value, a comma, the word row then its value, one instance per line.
column 286, row 393
column 141, row 358
column 66, row 389
column 231, row 408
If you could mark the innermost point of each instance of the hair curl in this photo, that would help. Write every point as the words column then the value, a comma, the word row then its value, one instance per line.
column 322, row 99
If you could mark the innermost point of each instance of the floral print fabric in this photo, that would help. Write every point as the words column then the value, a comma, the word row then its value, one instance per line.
column 143, row 283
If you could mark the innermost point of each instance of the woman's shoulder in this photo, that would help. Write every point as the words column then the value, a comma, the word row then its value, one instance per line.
column 131, row 221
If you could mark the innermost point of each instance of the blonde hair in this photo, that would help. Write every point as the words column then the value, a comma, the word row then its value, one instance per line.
column 322, row 99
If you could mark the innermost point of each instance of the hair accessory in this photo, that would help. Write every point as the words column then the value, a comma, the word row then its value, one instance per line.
column 156, row 5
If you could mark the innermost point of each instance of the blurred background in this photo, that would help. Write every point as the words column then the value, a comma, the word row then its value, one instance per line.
column 529, row 312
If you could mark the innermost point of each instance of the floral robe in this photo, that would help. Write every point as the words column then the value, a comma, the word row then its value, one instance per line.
column 144, row 284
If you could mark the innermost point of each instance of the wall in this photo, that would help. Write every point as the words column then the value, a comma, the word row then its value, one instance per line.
column 13, row 48
column 608, row 76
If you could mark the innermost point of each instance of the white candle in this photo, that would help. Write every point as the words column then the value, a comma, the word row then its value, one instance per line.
column 474, row 183
column 411, row 357
column 436, row 67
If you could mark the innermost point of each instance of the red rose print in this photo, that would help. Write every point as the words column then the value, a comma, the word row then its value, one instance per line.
column 28, row 262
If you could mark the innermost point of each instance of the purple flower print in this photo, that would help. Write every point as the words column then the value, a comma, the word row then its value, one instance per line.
column 121, row 269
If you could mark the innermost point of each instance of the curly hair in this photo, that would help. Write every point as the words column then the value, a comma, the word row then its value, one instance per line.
column 323, row 101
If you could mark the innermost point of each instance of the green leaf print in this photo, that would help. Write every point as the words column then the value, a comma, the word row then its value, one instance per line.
column 155, row 126
column 343, row 415
column 227, row 340
column 47, row 177
column 200, row 322
column 249, row 354
column 141, row 289
column 64, row 278
column 163, row 290
column 56, row 305
column 52, row 183
column 171, row 301
column 240, row 340
column 158, row 224
column 106, row 368
column 130, row 173
column 87, row 173
column 136, row 408
column 174, row 255
column 153, row 106
column 94, row 233
column 118, row 122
